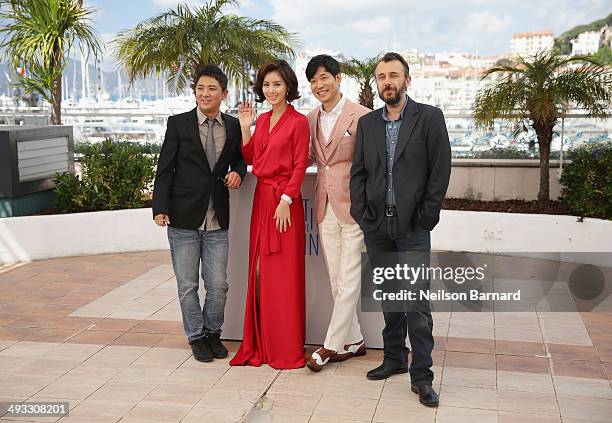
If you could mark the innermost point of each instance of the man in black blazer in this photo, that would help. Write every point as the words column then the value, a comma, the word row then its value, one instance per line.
column 201, row 158
column 400, row 173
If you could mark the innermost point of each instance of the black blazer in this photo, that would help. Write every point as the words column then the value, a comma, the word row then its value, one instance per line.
column 184, row 180
column 421, row 168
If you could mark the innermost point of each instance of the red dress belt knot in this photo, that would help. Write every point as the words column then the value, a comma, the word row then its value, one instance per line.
column 270, row 236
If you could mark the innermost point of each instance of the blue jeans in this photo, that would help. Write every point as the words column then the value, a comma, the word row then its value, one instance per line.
column 188, row 248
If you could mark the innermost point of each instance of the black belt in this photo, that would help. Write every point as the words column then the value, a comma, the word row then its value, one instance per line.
column 390, row 211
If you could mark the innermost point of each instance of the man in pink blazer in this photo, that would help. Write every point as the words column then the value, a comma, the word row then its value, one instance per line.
column 332, row 138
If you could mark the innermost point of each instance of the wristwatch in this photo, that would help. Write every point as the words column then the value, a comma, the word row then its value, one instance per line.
column 286, row 198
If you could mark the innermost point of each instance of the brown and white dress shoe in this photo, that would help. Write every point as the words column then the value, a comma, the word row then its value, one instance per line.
column 319, row 358
column 351, row 350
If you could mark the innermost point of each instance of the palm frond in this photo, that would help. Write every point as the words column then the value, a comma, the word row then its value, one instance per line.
column 539, row 87
column 362, row 70
column 39, row 35
column 178, row 40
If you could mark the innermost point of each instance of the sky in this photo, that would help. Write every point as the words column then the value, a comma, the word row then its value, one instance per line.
column 363, row 28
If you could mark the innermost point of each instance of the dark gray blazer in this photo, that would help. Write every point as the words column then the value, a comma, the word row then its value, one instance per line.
column 421, row 168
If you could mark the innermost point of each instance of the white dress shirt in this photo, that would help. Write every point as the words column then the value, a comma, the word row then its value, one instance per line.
column 328, row 119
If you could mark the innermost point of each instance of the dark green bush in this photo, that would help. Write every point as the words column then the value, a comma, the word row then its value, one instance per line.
column 502, row 153
column 587, row 181
column 147, row 147
column 512, row 152
column 70, row 194
column 116, row 175
column 556, row 155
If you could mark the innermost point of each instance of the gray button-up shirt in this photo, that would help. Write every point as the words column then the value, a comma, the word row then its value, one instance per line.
column 392, row 128
column 210, row 222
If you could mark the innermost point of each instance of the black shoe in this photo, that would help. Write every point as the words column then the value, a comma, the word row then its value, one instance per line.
column 201, row 351
column 218, row 349
column 427, row 394
column 384, row 371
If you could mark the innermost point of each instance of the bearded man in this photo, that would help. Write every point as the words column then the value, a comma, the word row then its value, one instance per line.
column 399, row 176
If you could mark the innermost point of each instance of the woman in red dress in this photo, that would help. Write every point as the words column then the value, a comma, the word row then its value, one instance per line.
column 274, row 318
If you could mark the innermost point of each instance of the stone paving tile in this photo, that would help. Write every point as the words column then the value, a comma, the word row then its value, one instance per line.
column 140, row 339
column 465, row 330
column 151, row 412
column 388, row 411
column 47, row 366
column 513, row 417
column 290, row 405
column 527, row 402
column 527, row 382
column 579, row 368
column 593, row 409
column 475, row 378
column 470, row 360
column 529, row 349
column 215, row 415
column 121, row 393
column 510, row 363
column 27, row 349
column 359, row 409
column 470, row 345
column 114, row 325
column 582, row 387
column 466, row 397
column 96, row 337
column 465, row 415
column 518, row 334
column 176, row 394
column 572, row 352
column 24, row 386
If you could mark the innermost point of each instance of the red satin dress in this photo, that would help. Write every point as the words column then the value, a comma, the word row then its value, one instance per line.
column 274, row 326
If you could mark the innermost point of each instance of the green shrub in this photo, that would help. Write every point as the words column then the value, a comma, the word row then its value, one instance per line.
column 147, row 147
column 587, row 181
column 70, row 194
column 512, row 152
column 509, row 152
column 567, row 155
column 116, row 175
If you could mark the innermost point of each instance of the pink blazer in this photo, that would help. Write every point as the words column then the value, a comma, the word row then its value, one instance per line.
column 334, row 161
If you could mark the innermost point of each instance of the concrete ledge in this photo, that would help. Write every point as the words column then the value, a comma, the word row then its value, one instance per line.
column 41, row 237
column 527, row 235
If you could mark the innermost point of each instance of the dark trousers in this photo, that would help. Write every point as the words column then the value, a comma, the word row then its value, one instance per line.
column 416, row 322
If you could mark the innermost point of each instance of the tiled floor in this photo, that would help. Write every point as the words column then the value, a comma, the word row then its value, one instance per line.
column 107, row 338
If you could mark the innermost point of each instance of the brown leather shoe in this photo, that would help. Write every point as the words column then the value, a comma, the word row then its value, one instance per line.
column 351, row 350
column 319, row 358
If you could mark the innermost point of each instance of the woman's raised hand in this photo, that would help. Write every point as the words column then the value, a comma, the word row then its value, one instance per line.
column 246, row 115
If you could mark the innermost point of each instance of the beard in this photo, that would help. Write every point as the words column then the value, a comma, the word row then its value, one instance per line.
column 394, row 100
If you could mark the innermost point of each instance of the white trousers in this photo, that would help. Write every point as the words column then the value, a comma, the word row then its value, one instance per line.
column 342, row 248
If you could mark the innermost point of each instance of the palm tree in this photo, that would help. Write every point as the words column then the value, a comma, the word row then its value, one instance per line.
column 541, row 89
column 363, row 72
column 38, row 36
column 179, row 40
